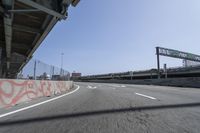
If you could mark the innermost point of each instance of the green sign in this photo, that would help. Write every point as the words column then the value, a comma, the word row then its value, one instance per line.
column 177, row 54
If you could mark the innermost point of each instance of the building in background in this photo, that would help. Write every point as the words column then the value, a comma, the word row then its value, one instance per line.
column 44, row 76
column 188, row 63
column 65, row 77
column 75, row 75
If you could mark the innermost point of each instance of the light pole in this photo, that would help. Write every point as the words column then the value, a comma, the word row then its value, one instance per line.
column 34, row 71
column 61, row 63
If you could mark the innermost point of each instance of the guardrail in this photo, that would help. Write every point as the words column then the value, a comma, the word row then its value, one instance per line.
column 13, row 92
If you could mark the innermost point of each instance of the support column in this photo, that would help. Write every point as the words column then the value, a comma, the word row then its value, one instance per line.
column 158, row 62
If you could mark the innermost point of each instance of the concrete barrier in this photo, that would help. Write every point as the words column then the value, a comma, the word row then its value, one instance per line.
column 178, row 82
column 13, row 92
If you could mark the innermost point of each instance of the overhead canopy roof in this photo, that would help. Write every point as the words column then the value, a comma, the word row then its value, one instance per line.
column 24, row 24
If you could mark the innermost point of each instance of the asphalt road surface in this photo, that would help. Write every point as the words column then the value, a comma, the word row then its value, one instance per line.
column 109, row 108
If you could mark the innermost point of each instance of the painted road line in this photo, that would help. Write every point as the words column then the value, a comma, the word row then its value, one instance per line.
column 90, row 87
column 123, row 86
column 37, row 104
column 145, row 96
column 118, row 86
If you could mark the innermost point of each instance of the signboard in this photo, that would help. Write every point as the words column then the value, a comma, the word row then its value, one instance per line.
column 177, row 54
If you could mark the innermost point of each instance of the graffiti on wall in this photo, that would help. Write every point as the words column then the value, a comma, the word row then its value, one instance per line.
column 14, row 91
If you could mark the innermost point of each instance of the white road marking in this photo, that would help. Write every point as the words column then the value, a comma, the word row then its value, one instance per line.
column 123, row 86
column 118, row 86
column 90, row 87
column 146, row 96
column 37, row 104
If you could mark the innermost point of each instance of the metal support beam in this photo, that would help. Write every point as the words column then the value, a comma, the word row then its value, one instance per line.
column 1, row 9
column 42, row 8
column 24, row 10
column 20, row 46
column 42, row 37
column 39, row 39
column 16, row 45
column 2, row 43
column 8, row 17
column 67, row 2
column 25, row 29
column 75, row 3
column 24, row 63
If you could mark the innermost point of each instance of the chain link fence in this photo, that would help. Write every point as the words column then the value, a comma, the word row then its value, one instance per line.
column 38, row 70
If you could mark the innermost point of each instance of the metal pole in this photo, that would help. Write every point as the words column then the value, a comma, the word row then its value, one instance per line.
column 158, row 61
column 34, row 74
column 131, row 75
column 53, row 70
column 61, row 63
column 165, row 69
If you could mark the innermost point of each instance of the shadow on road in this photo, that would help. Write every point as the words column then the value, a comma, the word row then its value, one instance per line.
column 98, row 112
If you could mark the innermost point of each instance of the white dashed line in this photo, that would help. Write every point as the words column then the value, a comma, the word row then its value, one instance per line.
column 123, row 86
column 118, row 86
column 146, row 96
column 90, row 87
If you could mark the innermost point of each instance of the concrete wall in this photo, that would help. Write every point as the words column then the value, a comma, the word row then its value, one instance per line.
column 13, row 92
column 180, row 82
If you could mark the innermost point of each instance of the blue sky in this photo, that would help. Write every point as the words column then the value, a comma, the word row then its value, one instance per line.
column 102, row 36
